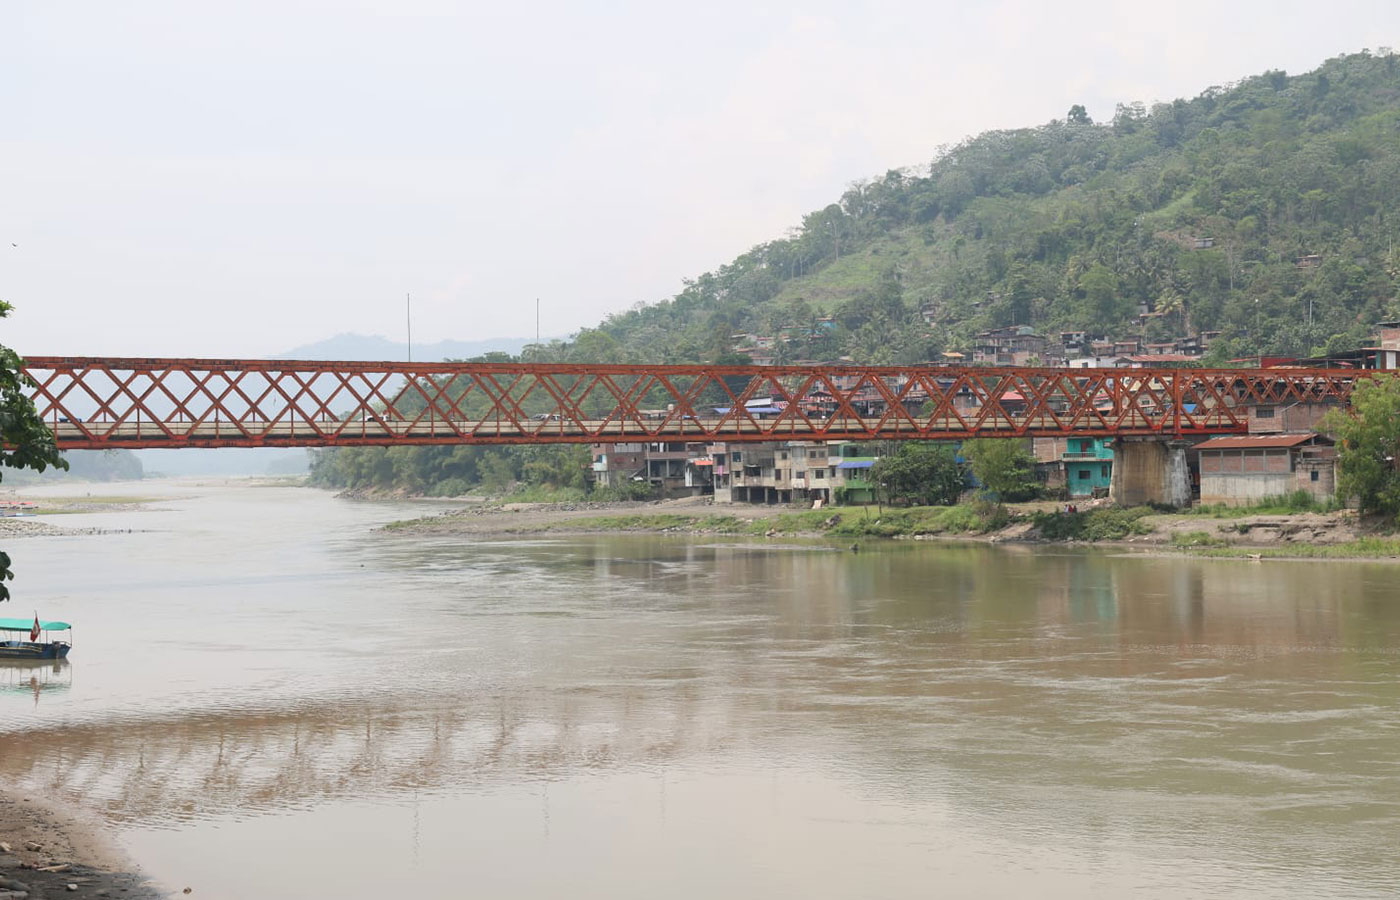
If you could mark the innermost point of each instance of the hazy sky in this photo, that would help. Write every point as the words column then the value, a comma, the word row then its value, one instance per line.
column 236, row 179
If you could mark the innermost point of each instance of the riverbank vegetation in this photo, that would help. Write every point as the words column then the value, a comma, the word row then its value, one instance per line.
column 1361, row 548
column 1284, row 505
column 1368, row 442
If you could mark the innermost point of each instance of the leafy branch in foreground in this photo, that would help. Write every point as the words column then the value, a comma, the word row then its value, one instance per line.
column 25, row 442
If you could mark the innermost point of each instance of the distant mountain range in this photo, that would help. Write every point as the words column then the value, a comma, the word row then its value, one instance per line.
column 368, row 348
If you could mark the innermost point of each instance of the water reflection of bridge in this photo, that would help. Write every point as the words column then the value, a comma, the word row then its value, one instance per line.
column 875, row 664
column 212, row 763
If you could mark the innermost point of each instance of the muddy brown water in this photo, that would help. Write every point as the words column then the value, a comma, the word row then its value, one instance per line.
column 266, row 699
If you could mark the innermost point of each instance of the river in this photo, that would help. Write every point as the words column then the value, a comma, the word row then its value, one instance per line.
column 267, row 698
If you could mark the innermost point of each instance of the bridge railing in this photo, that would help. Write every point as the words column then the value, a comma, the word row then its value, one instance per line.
column 109, row 403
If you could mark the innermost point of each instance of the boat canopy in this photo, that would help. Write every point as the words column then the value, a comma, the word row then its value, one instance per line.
column 26, row 624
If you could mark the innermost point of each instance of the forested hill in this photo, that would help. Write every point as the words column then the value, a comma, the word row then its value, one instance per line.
column 1078, row 224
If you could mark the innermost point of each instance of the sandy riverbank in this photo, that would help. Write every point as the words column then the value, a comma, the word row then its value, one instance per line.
column 587, row 518
column 1304, row 535
column 53, row 851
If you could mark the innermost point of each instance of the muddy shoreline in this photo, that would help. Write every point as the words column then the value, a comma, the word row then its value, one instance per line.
column 56, row 851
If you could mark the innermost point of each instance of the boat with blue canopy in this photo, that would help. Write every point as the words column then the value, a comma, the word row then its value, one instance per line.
column 14, row 646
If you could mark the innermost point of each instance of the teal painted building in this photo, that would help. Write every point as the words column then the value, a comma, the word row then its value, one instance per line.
column 1088, row 465
column 850, row 475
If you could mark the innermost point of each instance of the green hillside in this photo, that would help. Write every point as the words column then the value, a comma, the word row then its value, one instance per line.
column 1080, row 225
column 1264, row 210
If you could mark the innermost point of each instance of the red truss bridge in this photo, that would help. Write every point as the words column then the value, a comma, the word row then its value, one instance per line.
column 102, row 403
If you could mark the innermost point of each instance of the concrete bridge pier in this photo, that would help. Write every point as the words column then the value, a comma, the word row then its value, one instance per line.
column 1150, row 470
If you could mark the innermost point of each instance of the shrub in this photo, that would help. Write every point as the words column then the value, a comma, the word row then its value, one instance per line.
column 1092, row 525
column 1197, row 539
column 627, row 490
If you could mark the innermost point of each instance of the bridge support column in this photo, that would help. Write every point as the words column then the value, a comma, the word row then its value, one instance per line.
column 1150, row 471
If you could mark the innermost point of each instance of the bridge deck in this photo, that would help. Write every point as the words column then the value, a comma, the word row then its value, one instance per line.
column 97, row 403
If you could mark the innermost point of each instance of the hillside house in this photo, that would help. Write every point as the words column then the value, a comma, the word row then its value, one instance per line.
column 759, row 356
column 1074, row 342
column 1100, row 362
column 1011, row 346
column 1160, row 360
column 1387, row 345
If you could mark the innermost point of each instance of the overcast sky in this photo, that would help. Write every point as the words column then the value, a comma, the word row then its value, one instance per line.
column 236, row 179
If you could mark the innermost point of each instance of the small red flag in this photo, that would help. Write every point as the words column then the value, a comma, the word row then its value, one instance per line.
column 34, row 632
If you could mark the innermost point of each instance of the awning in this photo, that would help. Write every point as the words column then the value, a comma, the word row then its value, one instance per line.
column 26, row 624
column 857, row 464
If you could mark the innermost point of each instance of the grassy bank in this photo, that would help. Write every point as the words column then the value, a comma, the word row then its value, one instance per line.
column 1284, row 505
column 1363, row 548
column 845, row 523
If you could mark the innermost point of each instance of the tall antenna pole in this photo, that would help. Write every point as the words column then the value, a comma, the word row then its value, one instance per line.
column 408, row 311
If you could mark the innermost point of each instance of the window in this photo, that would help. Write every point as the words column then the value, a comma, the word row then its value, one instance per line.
column 1264, row 412
column 736, row 456
column 1083, row 474
column 1313, row 475
column 1103, row 470
column 782, row 454
column 821, row 473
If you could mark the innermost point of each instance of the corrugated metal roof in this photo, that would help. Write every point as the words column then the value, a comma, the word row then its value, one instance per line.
column 1257, row 441
column 1163, row 357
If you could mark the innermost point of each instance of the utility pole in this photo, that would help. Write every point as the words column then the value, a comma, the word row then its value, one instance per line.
column 408, row 312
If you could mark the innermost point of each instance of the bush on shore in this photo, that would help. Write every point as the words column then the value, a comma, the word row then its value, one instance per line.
column 1283, row 505
column 1110, row 524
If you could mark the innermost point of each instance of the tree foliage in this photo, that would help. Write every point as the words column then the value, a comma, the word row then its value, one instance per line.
column 921, row 474
column 1368, row 446
column 25, row 442
column 1003, row 467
